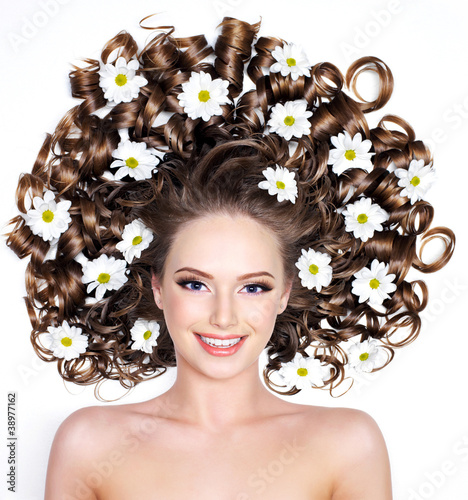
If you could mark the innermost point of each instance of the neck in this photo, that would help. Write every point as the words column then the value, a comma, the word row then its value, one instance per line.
column 218, row 402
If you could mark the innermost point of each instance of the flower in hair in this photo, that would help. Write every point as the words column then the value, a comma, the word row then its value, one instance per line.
column 290, row 119
column 304, row 372
column 119, row 81
column 291, row 61
column 136, row 237
column 373, row 284
column 314, row 269
column 104, row 273
column 416, row 180
column 134, row 160
column 364, row 217
column 280, row 182
column 145, row 334
column 365, row 356
column 349, row 153
column 65, row 341
column 48, row 218
column 202, row 96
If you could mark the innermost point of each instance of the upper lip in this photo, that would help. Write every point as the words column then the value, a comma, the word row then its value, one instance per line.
column 227, row 337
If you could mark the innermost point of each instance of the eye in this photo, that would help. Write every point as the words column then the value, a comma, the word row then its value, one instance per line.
column 194, row 285
column 263, row 288
column 188, row 284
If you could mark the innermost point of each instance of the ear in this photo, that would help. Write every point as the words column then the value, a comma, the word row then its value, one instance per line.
column 285, row 297
column 156, row 286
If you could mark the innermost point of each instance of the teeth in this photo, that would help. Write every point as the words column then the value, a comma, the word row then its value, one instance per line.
column 219, row 342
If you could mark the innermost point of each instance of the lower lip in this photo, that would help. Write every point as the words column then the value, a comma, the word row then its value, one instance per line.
column 219, row 351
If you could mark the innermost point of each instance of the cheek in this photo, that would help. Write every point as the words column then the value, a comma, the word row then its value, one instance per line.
column 262, row 313
column 176, row 309
column 180, row 309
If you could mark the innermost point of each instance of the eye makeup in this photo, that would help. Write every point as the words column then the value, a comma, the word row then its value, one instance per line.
column 263, row 284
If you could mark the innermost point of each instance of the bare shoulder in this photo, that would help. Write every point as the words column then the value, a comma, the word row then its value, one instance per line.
column 356, row 431
column 82, row 441
column 352, row 440
column 83, row 426
column 343, row 420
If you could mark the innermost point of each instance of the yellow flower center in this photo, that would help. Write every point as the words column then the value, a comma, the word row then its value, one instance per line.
column 203, row 96
column 362, row 218
column 313, row 269
column 47, row 216
column 66, row 341
column 120, row 80
column 103, row 278
column 363, row 356
column 280, row 185
column 415, row 181
column 137, row 240
column 131, row 162
column 302, row 372
column 374, row 283
column 289, row 120
column 350, row 154
column 147, row 334
column 290, row 61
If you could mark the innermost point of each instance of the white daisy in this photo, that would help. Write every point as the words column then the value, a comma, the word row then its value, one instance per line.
column 48, row 219
column 81, row 259
column 104, row 273
column 391, row 167
column 136, row 237
column 373, row 284
column 291, row 61
column 416, row 180
column 65, row 341
column 119, row 81
column 365, row 356
column 145, row 334
column 314, row 269
column 304, row 372
column 364, row 217
column 202, row 96
column 290, row 119
column 134, row 160
column 280, row 182
column 349, row 153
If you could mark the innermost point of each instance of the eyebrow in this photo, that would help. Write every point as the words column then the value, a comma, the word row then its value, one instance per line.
column 239, row 278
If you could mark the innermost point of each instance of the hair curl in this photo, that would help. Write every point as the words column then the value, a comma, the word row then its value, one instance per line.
column 215, row 167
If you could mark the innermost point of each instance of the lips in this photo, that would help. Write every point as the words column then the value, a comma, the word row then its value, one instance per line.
column 221, row 351
column 226, row 337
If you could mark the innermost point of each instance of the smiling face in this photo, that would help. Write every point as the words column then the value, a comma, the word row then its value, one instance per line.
column 223, row 278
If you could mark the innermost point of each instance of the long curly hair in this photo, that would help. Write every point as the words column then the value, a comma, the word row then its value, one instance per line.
column 215, row 166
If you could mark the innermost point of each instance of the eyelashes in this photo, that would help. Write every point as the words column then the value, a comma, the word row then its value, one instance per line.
column 265, row 287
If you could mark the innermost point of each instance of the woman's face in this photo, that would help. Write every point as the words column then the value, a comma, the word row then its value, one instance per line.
column 206, row 291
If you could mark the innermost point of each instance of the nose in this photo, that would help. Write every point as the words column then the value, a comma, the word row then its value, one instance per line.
column 224, row 313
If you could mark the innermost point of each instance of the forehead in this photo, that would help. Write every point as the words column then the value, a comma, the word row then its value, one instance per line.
column 224, row 242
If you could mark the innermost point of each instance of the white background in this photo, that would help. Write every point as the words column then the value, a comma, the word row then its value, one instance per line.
column 419, row 400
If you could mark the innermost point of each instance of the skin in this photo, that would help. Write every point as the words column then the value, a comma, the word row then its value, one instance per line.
column 218, row 412
column 221, row 391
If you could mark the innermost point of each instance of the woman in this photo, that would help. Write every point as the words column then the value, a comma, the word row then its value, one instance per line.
column 138, row 258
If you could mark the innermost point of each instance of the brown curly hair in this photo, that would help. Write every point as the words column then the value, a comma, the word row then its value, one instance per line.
column 215, row 167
